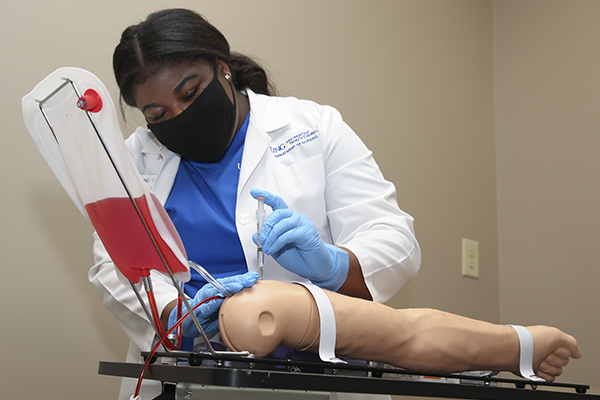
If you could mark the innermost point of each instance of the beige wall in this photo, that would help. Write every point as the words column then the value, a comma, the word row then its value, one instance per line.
column 415, row 79
column 548, row 119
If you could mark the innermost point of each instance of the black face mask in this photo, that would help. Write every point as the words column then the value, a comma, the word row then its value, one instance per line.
column 202, row 131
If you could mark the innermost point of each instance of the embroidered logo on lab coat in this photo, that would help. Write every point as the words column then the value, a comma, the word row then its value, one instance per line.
column 294, row 142
column 149, row 179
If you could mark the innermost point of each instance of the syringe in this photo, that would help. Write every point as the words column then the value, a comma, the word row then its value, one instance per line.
column 260, row 219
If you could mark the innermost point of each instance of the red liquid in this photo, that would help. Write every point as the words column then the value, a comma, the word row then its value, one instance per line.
column 126, row 239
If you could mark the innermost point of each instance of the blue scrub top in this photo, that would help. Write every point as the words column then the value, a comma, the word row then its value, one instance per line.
column 202, row 206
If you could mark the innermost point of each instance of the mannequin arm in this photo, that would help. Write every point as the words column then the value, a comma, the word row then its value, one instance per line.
column 271, row 313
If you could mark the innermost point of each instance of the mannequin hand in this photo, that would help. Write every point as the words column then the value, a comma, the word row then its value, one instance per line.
column 294, row 242
column 207, row 313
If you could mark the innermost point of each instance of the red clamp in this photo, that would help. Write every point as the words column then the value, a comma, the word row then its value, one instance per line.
column 90, row 101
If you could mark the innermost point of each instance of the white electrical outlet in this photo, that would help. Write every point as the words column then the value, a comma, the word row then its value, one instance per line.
column 470, row 258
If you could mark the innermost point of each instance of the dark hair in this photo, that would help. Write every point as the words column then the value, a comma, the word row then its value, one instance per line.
column 178, row 35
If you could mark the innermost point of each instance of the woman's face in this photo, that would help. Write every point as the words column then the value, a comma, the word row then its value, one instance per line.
column 174, row 87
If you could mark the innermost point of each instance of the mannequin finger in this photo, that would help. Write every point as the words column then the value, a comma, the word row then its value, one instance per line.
column 549, row 372
column 556, row 361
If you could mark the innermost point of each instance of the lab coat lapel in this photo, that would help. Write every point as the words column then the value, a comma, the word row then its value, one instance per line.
column 263, row 121
column 256, row 145
column 161, row 163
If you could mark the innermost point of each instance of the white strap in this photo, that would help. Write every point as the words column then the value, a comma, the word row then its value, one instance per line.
column 526, row 361
column 327, row 319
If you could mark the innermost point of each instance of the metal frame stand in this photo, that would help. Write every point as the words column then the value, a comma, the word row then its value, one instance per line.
column 300, row 376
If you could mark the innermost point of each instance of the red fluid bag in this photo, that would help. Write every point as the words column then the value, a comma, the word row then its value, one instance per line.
column 74, row 124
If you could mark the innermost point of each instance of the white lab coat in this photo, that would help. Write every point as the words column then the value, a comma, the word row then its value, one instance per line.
column 308, row 155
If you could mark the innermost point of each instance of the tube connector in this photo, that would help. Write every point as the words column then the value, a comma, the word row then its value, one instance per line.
column 90, row 101
column 147, row 283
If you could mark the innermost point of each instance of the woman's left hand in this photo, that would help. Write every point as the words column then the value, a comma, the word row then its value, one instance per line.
column 294, row 242
column 207, row 314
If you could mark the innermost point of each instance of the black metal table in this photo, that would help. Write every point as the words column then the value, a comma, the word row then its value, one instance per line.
column 344, row 379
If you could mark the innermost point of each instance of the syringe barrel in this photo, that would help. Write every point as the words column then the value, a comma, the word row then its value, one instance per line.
column 261, row 214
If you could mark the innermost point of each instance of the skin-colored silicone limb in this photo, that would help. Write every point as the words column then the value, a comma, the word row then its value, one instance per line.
column 254, row 321
column 272, row 313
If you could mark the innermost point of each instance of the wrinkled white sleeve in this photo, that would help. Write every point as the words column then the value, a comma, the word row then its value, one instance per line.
column 363, row 212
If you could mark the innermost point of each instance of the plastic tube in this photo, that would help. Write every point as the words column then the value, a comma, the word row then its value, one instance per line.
column 209, row 278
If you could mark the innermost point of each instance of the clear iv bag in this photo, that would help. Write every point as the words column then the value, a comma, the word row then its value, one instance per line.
column 87, row 153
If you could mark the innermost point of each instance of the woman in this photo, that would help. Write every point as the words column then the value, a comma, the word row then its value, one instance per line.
column 214, row 134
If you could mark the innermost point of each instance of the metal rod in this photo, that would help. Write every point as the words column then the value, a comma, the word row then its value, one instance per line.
column 127, row 190
column 41, row 106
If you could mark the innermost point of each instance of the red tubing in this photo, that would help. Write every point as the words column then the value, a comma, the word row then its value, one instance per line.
column 145, row 274
column 162, row 339
column 158, row 322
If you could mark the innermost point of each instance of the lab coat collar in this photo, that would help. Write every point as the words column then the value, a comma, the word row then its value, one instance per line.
column 265, row 112
column 152, row 146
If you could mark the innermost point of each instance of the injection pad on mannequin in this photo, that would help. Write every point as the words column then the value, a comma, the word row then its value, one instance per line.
column 258, row 321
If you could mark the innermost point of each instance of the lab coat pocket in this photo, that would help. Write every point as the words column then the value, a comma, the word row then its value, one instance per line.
column 302, row 187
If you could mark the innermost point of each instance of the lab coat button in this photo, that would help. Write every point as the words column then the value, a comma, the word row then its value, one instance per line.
column 244, row 219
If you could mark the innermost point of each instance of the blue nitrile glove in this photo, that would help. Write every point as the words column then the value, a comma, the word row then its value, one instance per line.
column 294, row 242
column 207, row 313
